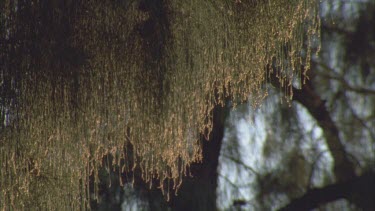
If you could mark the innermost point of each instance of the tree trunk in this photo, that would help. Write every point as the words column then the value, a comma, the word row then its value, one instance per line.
column 199, row 191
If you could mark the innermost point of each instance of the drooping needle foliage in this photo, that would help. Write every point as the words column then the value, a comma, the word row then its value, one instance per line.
column 134, row 79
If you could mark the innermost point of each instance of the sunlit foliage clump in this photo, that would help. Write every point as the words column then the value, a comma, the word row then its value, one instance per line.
column 134, row 79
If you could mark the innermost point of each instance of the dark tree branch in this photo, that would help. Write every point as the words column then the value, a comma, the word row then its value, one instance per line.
column 240, row 162
column 341, row 79
column 360, row 189
column 307, row 96
column 357, row 190
column 343, row 168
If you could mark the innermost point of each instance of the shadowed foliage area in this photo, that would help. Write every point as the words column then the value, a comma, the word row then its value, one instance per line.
column 136, row 82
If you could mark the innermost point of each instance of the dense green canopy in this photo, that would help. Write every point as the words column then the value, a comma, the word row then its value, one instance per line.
column 82, row 79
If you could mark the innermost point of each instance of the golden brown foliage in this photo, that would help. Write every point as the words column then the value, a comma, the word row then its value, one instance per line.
column 87, row 77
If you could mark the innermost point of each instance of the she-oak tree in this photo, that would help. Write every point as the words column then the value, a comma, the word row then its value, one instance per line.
column 137, row 80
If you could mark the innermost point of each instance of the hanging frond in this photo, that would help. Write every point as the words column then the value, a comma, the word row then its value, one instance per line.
column 83, row 79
